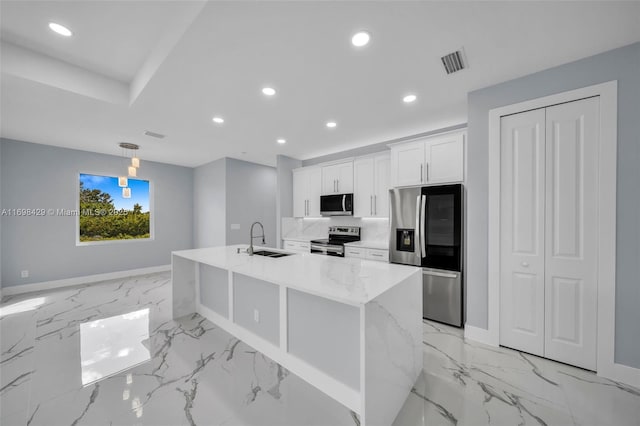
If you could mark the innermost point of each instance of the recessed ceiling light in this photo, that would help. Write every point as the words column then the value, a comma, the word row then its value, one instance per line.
column 409, row 98
column 281, row 141
column 331, row 124
column 218, row 120
column 60, row 29
column 360, row 39
column 269, row 91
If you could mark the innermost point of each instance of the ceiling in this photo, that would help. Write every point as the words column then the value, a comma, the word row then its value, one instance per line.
column 169, row 67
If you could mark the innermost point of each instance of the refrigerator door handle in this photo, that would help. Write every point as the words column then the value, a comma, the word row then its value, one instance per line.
column 418, row 231
column 423, row 237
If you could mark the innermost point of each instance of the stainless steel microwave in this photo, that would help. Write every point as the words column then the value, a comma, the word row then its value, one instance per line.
column 336, row 205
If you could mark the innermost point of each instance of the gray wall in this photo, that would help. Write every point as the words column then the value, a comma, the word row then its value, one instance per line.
column 41, row 176
column 209, row 204
column 620, row 64
column 250, row 197
column 284, row 191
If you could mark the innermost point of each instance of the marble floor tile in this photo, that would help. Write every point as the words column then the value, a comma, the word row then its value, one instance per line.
column 110, row 354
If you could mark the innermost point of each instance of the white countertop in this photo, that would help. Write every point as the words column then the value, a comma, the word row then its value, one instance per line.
column 347, row 280
column 378, row 245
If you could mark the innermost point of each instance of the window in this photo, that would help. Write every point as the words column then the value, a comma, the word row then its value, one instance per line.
column 105, row 215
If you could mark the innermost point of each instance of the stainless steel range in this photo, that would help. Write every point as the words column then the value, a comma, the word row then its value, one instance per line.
column 338, row 236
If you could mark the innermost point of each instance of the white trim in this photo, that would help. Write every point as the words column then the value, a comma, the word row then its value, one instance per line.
column 608, row 93
column 478, row 334
column 67, row 282
column 421, row 136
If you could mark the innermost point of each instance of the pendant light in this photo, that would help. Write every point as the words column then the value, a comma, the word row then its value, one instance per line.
column 132, row 170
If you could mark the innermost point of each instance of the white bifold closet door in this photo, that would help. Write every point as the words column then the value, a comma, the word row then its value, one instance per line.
column 548, row 277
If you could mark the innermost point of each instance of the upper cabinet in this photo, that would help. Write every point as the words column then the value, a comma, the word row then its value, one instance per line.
column 436, row 159
column 337, row 178
column 371, row 186
column 306, row 191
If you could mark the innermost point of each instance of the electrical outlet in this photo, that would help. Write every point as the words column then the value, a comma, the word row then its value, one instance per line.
column 256, row 315
column 25, row 273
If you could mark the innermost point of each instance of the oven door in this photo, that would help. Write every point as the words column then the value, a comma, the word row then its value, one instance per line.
column 329, row 250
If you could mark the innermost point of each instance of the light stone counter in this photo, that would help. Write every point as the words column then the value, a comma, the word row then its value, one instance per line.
column 350, row 327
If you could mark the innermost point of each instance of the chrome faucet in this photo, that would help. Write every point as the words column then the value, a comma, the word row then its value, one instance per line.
column 251, row 237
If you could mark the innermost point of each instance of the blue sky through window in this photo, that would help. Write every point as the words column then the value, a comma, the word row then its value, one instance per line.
column 108, row 184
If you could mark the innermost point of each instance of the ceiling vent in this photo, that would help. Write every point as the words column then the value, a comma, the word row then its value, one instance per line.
column 454, row 62
column 154, row 134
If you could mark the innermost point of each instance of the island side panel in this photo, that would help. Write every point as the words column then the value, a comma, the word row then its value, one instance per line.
column 214, row 289
column 392, row 350
column 325, row 334
column 256, row 307
column 183, row 286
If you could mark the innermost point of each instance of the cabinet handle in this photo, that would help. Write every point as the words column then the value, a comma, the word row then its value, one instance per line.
column 371, row 204
column 421, row 179
column 426, row 174
column 334, row 186
column 375, row 205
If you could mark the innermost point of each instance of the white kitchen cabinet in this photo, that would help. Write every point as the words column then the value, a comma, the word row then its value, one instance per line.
column 357, row 252
column 306, row 192
column 432, row 160
column 337, row 178
column 371, row 186
column 297, row 246
column 407, row 164
column 375, row 254
column 444, row 158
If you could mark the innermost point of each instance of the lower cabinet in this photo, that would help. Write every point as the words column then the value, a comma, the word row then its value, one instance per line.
column 297, row 246
column 367, row 253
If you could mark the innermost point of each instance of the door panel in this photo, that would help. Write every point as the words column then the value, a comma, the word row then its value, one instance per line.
column 444, row 159
column 299, row 193
column 571, row 234
column 522, row 231
column 363, row 187
column 381, row 200
column 407, row 163
column 314, row 187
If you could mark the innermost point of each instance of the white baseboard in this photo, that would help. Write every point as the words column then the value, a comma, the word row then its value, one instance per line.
column 620, row 373
column 478, row 334
column 67, row 282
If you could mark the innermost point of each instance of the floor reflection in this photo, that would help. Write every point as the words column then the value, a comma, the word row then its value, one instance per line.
column 111, row 345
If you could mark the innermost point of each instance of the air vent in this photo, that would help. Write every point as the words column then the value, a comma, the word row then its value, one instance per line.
column 453, row 62
column 154, row 134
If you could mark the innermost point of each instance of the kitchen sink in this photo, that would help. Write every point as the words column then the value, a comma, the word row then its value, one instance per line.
column 268, row 253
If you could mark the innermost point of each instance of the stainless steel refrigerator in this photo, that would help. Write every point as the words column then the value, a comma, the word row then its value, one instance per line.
column 426, row 231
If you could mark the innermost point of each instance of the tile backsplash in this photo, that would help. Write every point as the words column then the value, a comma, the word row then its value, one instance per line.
column 372, row 229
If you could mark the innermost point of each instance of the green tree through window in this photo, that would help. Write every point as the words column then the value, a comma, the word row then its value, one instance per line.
column 105, row 215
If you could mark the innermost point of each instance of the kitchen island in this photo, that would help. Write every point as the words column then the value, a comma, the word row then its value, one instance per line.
column 350, row 327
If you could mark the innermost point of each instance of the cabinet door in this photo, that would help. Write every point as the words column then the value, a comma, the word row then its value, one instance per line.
column 407, row 163
column 314, row 187
column 300, row 192
column 445, row 158
column 381, row 179
column 345, row 177
column 364, row 184
column 330, row 180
